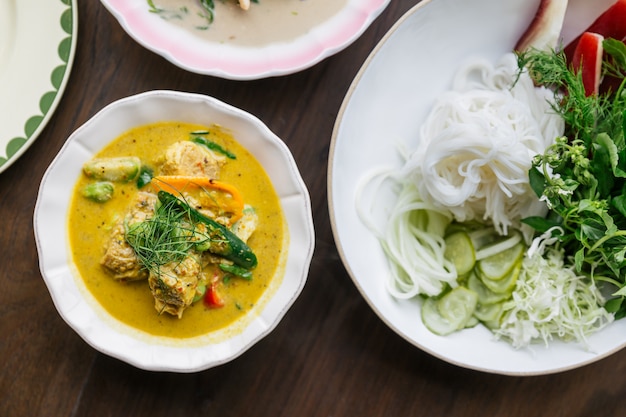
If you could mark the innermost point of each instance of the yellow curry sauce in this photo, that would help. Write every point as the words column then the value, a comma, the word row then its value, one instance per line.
column 90, row 224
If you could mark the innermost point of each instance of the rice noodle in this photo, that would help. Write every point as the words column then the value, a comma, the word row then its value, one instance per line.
column 472, row 162
column 477, row 145
column 412, row 240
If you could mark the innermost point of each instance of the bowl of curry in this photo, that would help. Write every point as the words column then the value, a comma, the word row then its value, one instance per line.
column 174, row 231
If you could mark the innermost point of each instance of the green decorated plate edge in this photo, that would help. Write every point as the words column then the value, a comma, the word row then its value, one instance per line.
column 50, row 99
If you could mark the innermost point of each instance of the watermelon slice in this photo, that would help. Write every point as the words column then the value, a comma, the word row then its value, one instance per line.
column 587, row 60
column 545, row 29
column 610, row 24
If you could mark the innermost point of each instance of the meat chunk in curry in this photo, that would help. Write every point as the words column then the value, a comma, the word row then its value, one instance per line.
column 189, row 158
column 119, row 258
column 174, row 285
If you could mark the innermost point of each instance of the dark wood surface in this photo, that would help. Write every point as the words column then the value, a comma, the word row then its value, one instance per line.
column 330, row 356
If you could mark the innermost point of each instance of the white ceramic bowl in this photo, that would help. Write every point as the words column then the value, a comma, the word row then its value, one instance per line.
column 385, row 106
column 78, row 307
column 286, row 55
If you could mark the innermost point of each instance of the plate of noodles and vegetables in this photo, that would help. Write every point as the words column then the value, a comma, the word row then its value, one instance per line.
column 484, row 174
column 245, row 39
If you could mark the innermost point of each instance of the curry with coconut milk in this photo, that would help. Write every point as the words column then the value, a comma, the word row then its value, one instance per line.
column 176, row 229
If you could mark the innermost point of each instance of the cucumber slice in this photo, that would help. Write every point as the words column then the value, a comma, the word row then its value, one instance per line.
column 488, row 312
column 460, row 251
column 493, row 324
column 499, row 266
column 433, row 321
column 472, row 322
column 485, row 295
column 498, row 244
column 449, row 313
column 506, row 285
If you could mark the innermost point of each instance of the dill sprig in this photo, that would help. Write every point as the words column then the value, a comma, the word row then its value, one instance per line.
column 166, row 237
column 585, row 116
column 579, row 112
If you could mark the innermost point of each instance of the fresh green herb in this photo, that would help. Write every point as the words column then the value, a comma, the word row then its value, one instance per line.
column 221, row 241
column 145, row 176
column 582, row 176
column 212, row 146
column 169, row 14
column 164, row 238
column 176, row 229
column 616, row 61
column 209, row 9
column 207, row 12
column 153, row 7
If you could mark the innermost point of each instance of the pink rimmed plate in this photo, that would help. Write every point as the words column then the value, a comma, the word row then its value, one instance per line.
column 272, row 38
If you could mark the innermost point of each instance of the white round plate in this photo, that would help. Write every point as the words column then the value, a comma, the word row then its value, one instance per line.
column 79, row 308
column 37, row 45
column 221, row 58
column 385, row 106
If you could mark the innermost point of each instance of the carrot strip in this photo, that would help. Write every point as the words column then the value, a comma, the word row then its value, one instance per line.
column 176, row 184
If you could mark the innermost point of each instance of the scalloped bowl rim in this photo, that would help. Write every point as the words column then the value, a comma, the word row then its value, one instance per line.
column 74, row 302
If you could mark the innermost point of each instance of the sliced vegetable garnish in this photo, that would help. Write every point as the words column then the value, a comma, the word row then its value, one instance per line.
column 498, row 266
column 488, row 313
column 212, row 298
column 449, row 313
column 460, row 251
column 506, row 284
column 222, row 242
column 217, row 195
column 121, row 169
column 237, row 271
column 485, row 295
column 99, row 192
column 213, row 146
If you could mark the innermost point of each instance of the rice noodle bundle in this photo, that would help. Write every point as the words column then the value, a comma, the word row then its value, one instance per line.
column 477, row 145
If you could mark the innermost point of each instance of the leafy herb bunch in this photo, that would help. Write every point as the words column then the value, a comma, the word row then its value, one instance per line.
column 582, row 175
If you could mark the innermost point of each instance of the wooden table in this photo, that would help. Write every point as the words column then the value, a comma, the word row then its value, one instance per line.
column 330, row 356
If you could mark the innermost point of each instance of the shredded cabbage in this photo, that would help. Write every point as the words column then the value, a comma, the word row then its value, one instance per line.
column 550, row 300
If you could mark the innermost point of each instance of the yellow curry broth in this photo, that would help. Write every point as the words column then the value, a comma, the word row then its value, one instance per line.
column 90, row 224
